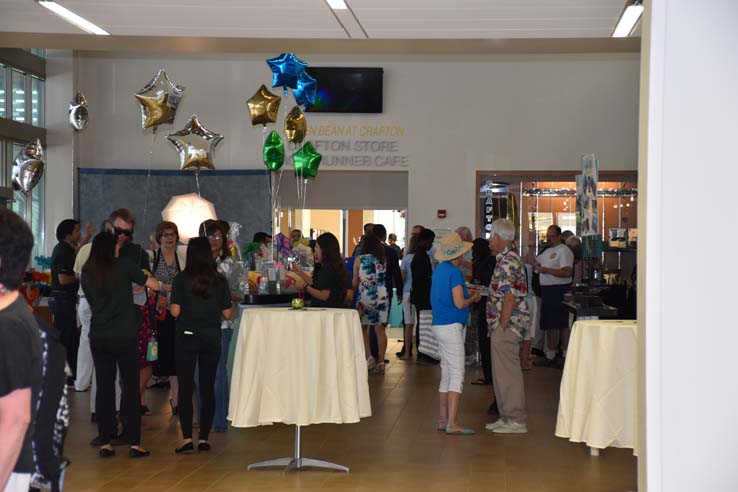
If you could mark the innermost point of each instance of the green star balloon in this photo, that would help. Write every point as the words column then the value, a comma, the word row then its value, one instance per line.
column 306, row 161
column 273, row 151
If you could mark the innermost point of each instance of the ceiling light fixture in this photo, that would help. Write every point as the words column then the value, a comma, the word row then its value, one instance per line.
column 628, row 19
column 337, row 4
column 73, row 18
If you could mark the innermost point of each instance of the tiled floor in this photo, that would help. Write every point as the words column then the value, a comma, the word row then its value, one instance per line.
column 397, row 449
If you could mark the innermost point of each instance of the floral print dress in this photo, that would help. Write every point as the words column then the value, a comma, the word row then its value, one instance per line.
column 373, row 303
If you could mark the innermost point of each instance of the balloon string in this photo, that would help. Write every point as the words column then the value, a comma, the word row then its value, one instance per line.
column 148, row 176
column 197, row 181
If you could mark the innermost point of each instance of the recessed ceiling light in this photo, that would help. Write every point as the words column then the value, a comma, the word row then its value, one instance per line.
column 628, row 20
column 337, row 4
column 73, row 18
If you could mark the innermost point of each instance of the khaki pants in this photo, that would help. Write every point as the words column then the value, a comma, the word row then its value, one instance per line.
column 507, row 376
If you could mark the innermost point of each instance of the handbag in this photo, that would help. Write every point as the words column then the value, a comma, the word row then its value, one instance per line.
column 152, row 351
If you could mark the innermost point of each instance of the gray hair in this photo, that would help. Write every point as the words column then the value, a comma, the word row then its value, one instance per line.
column 504, row 229
column 464, row 233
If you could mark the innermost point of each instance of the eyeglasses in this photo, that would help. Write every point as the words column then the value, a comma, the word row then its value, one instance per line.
column 126, row 232
column 214, row 237
column 168, row 234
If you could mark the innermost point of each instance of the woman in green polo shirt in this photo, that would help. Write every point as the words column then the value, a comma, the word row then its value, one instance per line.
column 200, row 300
column 106, row 282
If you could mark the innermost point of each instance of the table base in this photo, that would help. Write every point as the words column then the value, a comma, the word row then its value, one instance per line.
column 297, row 462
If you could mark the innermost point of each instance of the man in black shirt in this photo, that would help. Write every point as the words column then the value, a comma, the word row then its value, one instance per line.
column 64, row 285
column 422, row 271
column 20, row 357
column 394, row 275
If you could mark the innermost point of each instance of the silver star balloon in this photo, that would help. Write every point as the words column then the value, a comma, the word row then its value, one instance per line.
column 78, row 115
column 28, row 167
column 159, row 100
column 196, row 145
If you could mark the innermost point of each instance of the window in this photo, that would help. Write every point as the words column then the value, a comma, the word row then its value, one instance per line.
column 18, row 95
column 3, row 86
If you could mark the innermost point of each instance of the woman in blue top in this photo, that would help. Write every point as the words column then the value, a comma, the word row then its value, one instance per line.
column 450, row 302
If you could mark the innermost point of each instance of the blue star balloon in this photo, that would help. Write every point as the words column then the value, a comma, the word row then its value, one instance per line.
column 307, row 88
column 286, row 69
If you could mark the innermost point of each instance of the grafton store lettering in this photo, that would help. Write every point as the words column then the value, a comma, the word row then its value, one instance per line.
column 357, row 146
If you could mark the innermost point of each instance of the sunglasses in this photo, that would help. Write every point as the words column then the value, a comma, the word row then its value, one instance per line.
column 118, row 231
column 214, row 237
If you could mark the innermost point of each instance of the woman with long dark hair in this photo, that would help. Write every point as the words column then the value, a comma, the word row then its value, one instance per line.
column 329, row 286
column 370, row 272
column 200, row 300
column 106, row 281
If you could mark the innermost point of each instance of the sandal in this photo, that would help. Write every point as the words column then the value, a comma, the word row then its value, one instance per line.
column 441, row 425
column 379, row 369
column 462, row 432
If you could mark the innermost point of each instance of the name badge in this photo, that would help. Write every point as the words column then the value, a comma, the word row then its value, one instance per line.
column 188, row 332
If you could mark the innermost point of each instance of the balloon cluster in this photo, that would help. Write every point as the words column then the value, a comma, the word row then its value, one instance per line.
column 28, row 167
column 288, row 72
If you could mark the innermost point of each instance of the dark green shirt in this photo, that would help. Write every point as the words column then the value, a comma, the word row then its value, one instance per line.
column 136, row 254
column 326, row 278
column 62, row 261
column 200, row 316
column 113, row 311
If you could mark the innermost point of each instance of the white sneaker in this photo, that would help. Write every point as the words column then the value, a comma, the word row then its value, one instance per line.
column 511, row 428
column 494, row 425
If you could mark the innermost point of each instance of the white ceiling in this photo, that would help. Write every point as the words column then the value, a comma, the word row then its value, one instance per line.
column 412, row 19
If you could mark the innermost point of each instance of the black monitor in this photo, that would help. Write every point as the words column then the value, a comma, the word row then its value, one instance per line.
column 347, row 90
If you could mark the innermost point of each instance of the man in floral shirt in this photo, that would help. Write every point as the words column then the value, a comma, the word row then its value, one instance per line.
column 508, row 318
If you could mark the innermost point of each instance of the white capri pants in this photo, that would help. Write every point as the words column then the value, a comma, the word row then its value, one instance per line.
column 534, row 304
column 451, row 347
column 408, row 309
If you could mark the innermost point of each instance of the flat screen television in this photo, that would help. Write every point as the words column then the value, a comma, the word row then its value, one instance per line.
column 347, row 90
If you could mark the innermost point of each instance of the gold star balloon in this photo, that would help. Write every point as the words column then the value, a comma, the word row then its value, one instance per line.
column 159, row 100
column 295, row 125
column 263, row 107
column 195, row 145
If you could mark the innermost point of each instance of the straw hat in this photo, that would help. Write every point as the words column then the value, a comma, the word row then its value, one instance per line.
column 451, row 246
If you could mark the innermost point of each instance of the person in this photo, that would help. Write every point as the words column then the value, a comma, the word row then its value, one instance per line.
column 392, row 241
column 295, row 235
column 421, row 269
column 200, row 300
column 261, row 238
column 450, row 302
column 394, row 276
column 508, row 317
column 20, row 357
column 370, row 277
column 483, row 264
column 466, row 262
column 555, row 266
column 63, row 298
column 367, row 228
column 106, row 282
column 166, row 265
column 229, row 268
column 408, row 309
column 329, row 286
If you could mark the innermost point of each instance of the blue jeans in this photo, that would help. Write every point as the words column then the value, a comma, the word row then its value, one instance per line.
column 222, row 384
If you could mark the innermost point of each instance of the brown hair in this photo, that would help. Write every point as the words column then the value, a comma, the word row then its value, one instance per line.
column 125, row 214
column 163, row 226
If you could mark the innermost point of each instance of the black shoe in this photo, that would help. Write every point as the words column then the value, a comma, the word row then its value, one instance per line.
column 145, row 410
column 544, row 362
column 203, row 446
column 185, row 448
column 538, row 352
column 138, row 453
column 93, row 417
column 70, row 381
column 106, row 453
column 558, row 362
column 493, row 409
column 99, row 441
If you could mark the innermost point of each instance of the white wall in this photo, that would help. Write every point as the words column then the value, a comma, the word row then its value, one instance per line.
column 458, row 115
column 688, row 318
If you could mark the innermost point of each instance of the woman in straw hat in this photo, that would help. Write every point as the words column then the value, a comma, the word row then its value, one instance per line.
column 450, row 301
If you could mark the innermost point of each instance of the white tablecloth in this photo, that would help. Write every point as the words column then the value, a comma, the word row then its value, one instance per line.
column 299, row 367
column 599, row 387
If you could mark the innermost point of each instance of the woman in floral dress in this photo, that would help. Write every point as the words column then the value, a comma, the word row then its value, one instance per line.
column 369, row 279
